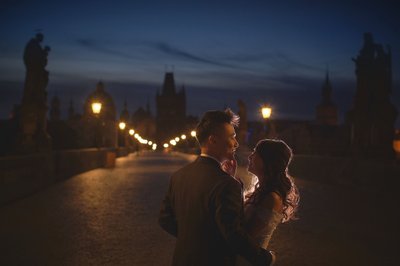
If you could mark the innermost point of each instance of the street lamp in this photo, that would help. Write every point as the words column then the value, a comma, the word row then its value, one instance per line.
column 131, row 132
column 193, row 133
column 121, row 136
column 122, row 125
column 266, row 112
column 96, row 108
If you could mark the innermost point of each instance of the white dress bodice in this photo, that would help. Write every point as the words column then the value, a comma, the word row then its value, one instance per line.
column 261, row 224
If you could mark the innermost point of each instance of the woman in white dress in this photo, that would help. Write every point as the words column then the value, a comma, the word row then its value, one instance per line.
column 275, row 197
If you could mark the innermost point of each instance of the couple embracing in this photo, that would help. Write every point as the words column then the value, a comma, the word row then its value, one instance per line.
column 206, row 210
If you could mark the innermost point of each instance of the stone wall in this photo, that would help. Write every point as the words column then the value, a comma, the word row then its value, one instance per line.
column 23, row 175
column 344, row 171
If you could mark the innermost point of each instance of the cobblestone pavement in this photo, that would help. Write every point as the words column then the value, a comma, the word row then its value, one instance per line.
column 101, row 217
column 109, row 217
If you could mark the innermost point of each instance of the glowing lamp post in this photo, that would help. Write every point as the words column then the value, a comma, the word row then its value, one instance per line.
column 266, row 112
column 121, row 135
column 96, row 108
column 122, row 125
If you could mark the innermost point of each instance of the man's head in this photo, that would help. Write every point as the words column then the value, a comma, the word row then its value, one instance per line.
column 216, row 134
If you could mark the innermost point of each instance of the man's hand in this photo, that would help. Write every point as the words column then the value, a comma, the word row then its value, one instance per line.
column 230, row 166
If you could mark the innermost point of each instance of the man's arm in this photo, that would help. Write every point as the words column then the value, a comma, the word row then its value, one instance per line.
column 166, row 218
column 229, row 215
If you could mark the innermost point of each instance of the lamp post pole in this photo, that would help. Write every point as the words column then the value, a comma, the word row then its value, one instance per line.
column 96, row 109
column 266, row 114
column 121, row 136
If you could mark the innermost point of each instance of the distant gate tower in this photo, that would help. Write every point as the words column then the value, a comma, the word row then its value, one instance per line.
column 171, row 110
column 327, row 110
column 373, row 116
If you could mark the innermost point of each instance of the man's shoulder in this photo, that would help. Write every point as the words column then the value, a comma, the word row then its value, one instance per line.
column 204, row 167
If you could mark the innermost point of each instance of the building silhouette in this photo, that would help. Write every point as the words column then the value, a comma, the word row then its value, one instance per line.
column 171, row 110
column 123, row 133
column 100, row 130
column 326, row 111
column 144, row 123
column 372, row 116
column 55, row 111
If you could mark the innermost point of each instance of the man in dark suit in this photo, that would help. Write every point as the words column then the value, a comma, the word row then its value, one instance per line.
column 203, row 207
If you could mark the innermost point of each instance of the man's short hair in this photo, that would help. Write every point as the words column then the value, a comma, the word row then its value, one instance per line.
column 212, row 120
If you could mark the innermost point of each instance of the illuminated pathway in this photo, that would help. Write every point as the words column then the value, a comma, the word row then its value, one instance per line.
column 101, row 217
column 109, row 217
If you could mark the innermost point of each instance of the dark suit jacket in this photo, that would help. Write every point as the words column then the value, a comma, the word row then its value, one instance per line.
column 203, row 208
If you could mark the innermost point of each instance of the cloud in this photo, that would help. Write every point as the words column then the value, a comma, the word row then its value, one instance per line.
column 290, row 62
column 274, row 63
column 93, row 45
column 176, row 52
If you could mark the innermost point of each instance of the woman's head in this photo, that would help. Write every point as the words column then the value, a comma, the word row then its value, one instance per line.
column 269, row 162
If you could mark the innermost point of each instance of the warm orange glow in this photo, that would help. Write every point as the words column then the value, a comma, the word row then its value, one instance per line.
column 122, row 125
column 177, row 139
column 183, row 136
column 131, row 132
column 396, row 146
column 266, row 112
column 193, row 133
column 166, row 145
column 96, row 107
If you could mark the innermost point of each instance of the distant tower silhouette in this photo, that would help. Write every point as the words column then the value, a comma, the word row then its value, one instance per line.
column 171, row 110
column 372, row 117
column 327, row 110
column 55, row 112
column 124, row 114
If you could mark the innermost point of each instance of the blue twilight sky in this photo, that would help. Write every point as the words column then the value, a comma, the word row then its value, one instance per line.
column 221, row 51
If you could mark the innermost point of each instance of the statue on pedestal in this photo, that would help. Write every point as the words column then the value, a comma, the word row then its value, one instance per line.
column 372, row 116
column 33, row 135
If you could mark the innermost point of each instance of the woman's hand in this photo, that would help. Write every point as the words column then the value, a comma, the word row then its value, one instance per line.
column 230, row 166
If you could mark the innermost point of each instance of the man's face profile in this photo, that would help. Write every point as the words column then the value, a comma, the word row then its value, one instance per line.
column 225, row 142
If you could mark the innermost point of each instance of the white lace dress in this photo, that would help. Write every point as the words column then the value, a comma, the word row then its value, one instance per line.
column 261, row 224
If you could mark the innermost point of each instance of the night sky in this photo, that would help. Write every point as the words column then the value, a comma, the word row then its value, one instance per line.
column 221, row 51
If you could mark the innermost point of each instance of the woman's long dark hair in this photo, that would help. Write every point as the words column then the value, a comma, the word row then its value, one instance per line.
column 276, row 156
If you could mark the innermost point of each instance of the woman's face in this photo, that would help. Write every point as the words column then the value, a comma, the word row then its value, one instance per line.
column 256, row 165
